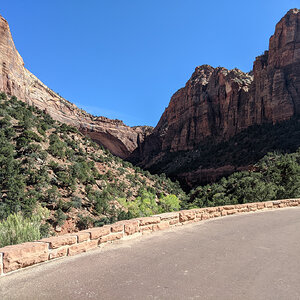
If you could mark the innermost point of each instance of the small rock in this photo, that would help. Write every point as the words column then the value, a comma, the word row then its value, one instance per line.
column 58, row 228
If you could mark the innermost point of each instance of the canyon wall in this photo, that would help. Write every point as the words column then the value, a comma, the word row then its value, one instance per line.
column 217, row 103
column 16, row 80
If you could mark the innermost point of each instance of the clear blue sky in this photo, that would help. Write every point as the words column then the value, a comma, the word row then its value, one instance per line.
column 125, row 58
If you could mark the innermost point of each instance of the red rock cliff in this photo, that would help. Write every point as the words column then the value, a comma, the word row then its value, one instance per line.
column 217, row 103
column 16, row 80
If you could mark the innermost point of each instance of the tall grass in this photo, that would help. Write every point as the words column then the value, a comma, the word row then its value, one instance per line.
column 17, row 229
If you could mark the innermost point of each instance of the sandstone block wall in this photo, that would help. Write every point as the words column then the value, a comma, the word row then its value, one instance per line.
column 20, row 256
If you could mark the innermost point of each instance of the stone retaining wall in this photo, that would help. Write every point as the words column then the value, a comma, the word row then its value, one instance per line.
column 17, row 257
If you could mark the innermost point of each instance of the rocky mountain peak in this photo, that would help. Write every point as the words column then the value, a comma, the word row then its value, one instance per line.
column 284, row 44
column 216, row 103
column 201, row 74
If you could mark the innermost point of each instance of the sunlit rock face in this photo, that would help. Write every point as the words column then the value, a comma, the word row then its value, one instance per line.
column 16, row 80
column 217, row 103
column 276, row 86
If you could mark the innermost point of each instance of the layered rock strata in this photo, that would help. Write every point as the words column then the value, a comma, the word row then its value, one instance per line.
column 16, row 80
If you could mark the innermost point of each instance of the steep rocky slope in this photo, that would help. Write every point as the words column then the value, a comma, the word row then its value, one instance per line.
column 216, row 104
column 16, row 80
column 48, row 164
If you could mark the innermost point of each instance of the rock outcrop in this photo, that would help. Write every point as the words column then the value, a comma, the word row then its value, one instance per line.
column 217, row 103
column 16, row 80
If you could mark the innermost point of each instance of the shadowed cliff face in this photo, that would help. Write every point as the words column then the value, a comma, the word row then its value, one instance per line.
column 217, row 103
column 16, row 80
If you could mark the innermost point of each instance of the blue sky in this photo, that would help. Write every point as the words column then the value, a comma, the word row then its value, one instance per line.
column 125, row 58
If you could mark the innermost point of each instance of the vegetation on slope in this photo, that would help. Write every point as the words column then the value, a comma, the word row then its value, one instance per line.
column 45, row 164
column 275, row 176
column 243, row 149
column 54, row 178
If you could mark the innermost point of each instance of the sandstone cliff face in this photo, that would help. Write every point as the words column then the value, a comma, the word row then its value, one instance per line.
column 16, row 80
column 217, row 103
column 276, row 86
column 210, row 104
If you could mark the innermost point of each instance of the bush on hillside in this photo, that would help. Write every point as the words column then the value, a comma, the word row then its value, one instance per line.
column 17, row 229
column 276, row 176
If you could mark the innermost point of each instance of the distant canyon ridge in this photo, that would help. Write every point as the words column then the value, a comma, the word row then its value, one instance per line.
column 16, row 80
column 215, row 105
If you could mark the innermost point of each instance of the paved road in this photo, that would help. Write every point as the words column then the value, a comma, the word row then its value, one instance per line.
column 252, row 256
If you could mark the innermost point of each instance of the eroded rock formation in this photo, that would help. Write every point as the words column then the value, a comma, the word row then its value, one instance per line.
column 217, row 103
column 16, row 80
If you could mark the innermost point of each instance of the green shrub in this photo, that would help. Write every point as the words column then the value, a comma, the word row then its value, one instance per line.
column 44, row 230
column 84, row 222
column 142, row 206
column 57, row 147
column 169, row 203
column 76, row 202
column 60, row 217
column 16, row 229
column 65, row 180
column 3, row 96
column 51, row 195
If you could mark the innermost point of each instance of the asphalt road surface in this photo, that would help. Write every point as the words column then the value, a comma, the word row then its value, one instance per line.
column 250, row 256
